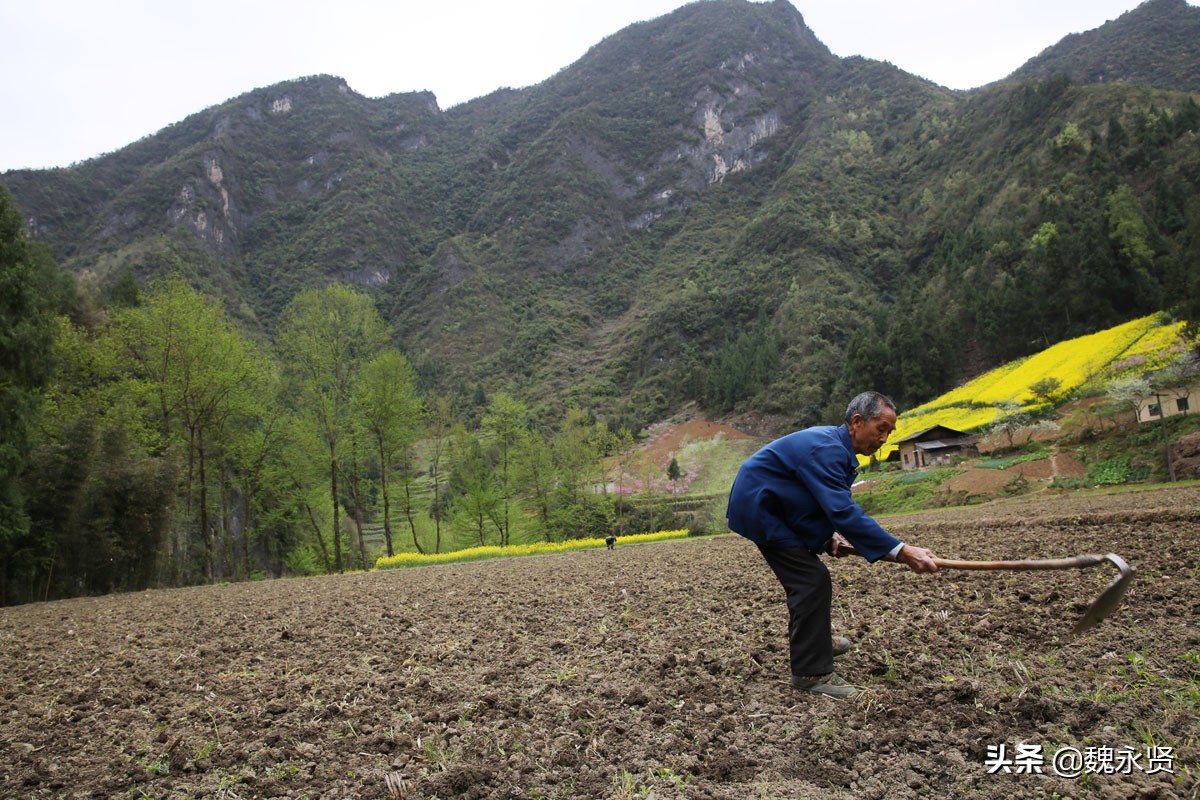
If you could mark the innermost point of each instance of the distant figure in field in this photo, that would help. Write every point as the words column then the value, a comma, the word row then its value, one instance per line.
column 610, row 540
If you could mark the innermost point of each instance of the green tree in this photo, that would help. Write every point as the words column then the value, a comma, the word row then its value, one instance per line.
column 354, row 481
column 575, row 453
column 305, row 465
column 1183, row 276
column 1128, row 229
column 388, row 407
column 325, row 335
column 180, row 351
column 920, row 350
column 674, row 473
column 578, row 449
column 255, row 454
column 868, row 364
column 477, row 500
column 743, row 367
column 439, row 427
column 536, row 477
column 626, row 452
column 27, row 329
column 126, row 508
column 100, row 499
column 58, row 467
column 1046, row 390
column 1010, row 420
column 505, row 423
column 124, row 292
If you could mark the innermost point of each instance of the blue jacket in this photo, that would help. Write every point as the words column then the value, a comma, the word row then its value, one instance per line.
column 795, row 492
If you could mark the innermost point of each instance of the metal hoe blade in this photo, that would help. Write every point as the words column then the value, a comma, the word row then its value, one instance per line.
column 1101, row 608
column 1109, row 599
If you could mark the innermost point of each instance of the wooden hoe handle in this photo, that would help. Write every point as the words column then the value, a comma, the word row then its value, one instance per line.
column 1088, row 560
column 1074, row 562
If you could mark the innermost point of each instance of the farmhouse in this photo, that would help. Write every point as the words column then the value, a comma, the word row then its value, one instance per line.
column 1178, row 394
column 935, row 446
column 1168, row 403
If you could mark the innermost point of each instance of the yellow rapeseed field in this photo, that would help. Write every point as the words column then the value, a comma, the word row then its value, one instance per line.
column 1092, row 360
column 401, row 560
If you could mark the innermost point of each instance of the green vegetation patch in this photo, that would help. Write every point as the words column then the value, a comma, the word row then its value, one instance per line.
column 1013, row 460
column 905, row 491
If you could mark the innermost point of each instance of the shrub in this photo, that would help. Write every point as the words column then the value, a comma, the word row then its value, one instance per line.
column 1018, row 485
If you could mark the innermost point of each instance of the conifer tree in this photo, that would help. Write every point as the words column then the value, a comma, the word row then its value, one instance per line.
column 27, row 327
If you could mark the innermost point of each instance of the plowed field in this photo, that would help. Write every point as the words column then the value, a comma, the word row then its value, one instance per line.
column 648, row 671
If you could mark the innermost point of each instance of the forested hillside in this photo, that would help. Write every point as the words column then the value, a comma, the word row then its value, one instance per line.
column 708, row 210
column 707, row 205
column 1153, row 45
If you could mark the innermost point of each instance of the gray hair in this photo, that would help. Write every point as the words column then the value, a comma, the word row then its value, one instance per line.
column 869, row 405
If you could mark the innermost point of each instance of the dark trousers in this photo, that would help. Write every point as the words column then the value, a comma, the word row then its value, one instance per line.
column 809, row 590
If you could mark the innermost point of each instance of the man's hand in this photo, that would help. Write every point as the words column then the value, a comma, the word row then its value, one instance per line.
column 918, row 559
column 840, row 548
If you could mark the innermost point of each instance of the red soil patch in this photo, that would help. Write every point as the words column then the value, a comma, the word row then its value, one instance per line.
column 666, row 440
column 1062, row 464
column 978, row 481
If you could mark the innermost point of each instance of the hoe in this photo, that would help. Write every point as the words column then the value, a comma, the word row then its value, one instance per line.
column 1102, row 607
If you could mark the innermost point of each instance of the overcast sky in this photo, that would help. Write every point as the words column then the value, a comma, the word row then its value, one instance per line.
column 85, row 77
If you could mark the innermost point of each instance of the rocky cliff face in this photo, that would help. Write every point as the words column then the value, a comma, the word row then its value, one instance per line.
column 636, row 129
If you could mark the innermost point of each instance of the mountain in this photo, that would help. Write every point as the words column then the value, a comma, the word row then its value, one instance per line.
column 709, row 206
column 1153, row 45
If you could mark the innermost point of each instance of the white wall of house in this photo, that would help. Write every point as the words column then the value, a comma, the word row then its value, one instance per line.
column 1169, row 404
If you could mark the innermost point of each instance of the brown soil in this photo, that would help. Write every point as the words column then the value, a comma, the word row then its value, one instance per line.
column 1060, row 464
column 648, row 671
column 977, row 481
column 1186, row 452
column 983, row 482
column 666, row 440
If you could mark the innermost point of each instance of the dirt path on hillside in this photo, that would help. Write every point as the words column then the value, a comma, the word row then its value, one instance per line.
column 649, row 671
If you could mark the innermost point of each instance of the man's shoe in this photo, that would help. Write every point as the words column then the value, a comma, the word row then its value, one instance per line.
column 829, row 685
column 841, row 646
